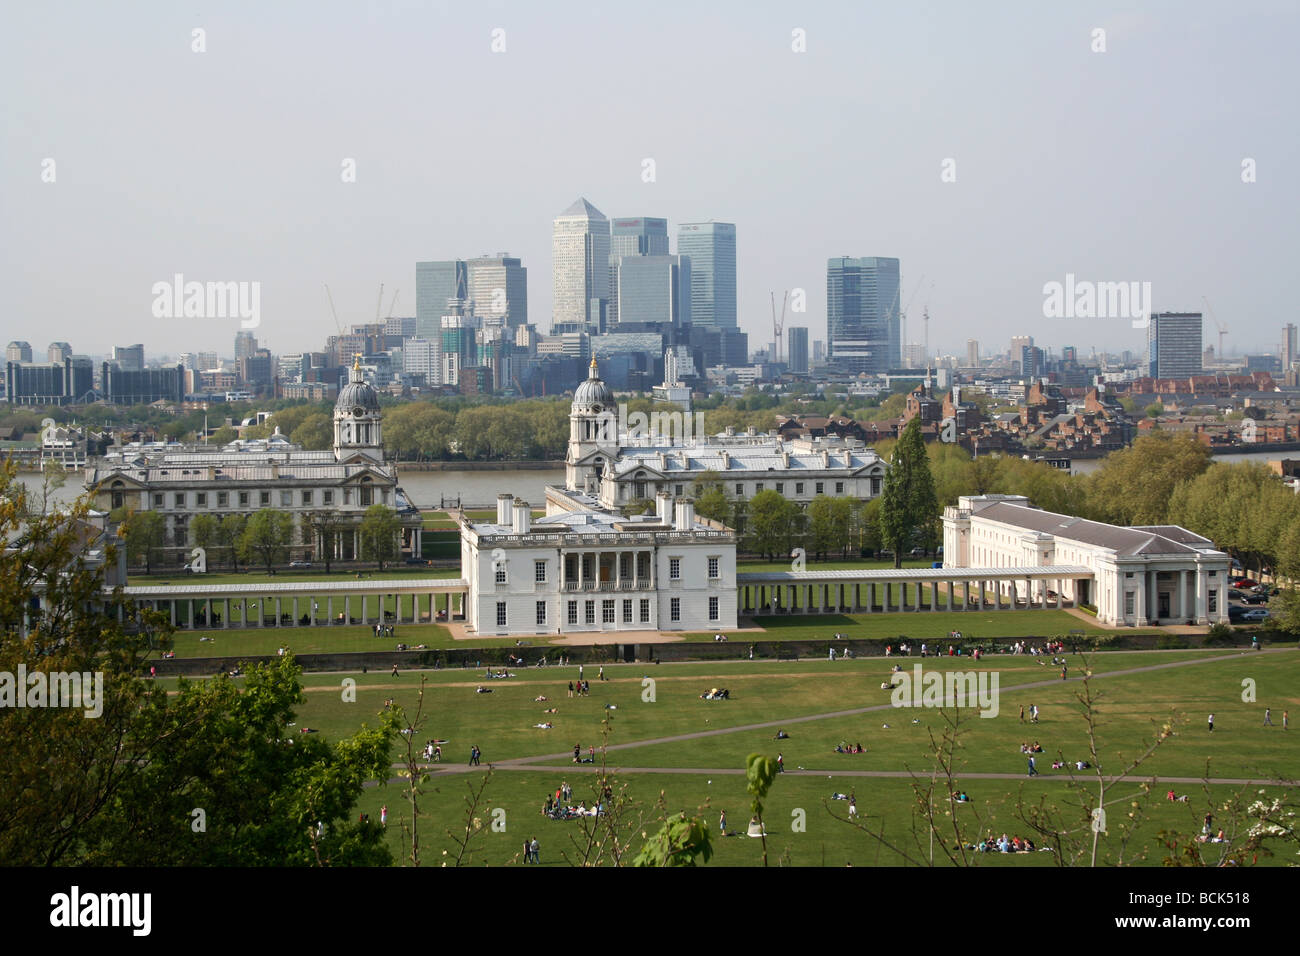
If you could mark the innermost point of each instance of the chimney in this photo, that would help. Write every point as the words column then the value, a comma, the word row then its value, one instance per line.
column 523, row 517
column 726, row 460
column 731, row 430
column 685, row 519
column 752, row 431
column 505, row 507
column 664, row 507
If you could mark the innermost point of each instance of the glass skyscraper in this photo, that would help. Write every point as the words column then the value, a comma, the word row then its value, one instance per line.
column 497, row 290
column 435, row 284
column 580, row 249
column 655, row 289
column 862, row 314
column 711, row 247
column 1174, row 345
column 642, row 236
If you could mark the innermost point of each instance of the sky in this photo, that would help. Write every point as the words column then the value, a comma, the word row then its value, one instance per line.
column 228, row 164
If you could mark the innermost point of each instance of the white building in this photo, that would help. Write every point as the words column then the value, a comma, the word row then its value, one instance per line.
column 1142, row 576
column 584, row 568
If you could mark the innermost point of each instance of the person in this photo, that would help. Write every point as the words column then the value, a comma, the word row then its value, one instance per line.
column 1033, row 771
column 579, row 673
column 383, row 815
column 535, row 848
column 751, row 652
column 473, row 755
column 1268, row 717
column 437, row 753
column 780, row 763
column 577, row 753
column 1022, row 713
column 722, row 823
column 1033, row 713
column 832, row 655
column 1063, row 666
column 601, row 675
column 528, row 852
column 853, row 804
column 394, row 668
column 1285, row 719
column 1211, row 723
column 570, row 688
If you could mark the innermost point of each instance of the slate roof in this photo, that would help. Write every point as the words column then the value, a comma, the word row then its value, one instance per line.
column 1123, row 541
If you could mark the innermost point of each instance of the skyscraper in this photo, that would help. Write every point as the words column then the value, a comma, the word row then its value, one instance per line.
column 796, row 344
column 641, row 236
column 245, row 345
column 130, row 358
column 655, row 289
column 1174, row 345
column 497, row 290
column 1018, row 344
column 711, row 247
column 580, row 274
column 61, row 351
column 1289, row 352
column 436, row 284
column 972, row 353
column 862, row 314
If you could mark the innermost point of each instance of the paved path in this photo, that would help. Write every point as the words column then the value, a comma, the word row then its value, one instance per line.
column 531, row 763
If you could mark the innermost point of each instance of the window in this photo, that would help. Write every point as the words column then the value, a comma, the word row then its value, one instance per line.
column 821, row 485
column 327, row 497
column 180, row 499
column 798, row 487
column 201, row 499
column 839, row 487
column 674, row 569
column 573, row 612
column 740, row 488
column 589, row 612
column 625, row 566
column 675, row 610
column 347, row 496
column 367, row 496
column 627, row 611
column 713, row 568
column 501, row 613
column 286, row 499
column 713, row 607
column 875, row 487
column 607, row 612
column 541, row 613
column 677, row 490
column 645, row 610
column 1128, row 603
column 306, row 499
column 1212, row 599
column 158, row 501
column 243, row 499
column 758, row 486
column 500, row 569
column 264, row 498
column 780, row 487
column 223, row 499
column 539, row 572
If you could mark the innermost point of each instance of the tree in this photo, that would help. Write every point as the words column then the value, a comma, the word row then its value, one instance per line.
column 770, row 523
column 327, row 526
column 229, row 535
column 678, row 843
column 908, row 504
column 1134, row 485
column 314, row 433
column 145, row 533
column 379, row 535
column 713, row 504
column 223, row 436
column 203, row 531
column 267, row 537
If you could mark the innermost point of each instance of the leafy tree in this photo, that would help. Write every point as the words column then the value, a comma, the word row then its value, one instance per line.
column 203, row 531
column 267, row 537
column 379, row 535
column 770, row 523
column 1134, row 485
column 908, row 504
column 1154, row 410
column 760, row 774
column 679, row 842
column 229, row 535
column 145, row 533
column 223, row 436
column 327, row 526
column 314, row 433
column 713, row 504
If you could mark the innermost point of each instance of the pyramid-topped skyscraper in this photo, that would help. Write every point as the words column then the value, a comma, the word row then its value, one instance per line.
column 580, row 249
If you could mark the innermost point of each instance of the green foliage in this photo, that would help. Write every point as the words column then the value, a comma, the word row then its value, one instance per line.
column 713, row 504
column 770, row 523
column 266, row 537
column 1133, row 486
column 314, row 433
column 909, row 507
column 679, row 842
column 146, row 534
column 380, row 528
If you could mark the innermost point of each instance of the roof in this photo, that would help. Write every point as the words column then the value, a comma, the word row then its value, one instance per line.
column 750, row 458
column 1121, row 540
column 582, row 208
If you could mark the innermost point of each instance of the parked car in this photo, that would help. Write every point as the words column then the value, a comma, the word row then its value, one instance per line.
column 1252, row 598
column 300, row 564
column 1242, row 582
column 1236, row 594
column 918, row 552
column 1255, row 614
column 1236, row 612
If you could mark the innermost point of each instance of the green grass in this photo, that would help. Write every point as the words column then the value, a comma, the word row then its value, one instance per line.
column 931, row 627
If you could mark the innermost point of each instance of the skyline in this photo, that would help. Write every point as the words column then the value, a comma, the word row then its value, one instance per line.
column 1123, row 165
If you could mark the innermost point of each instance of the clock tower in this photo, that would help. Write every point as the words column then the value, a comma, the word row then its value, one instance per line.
column 357, row 419
column 593, row 434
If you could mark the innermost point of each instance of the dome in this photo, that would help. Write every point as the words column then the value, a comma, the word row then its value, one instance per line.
column 357, row 394
column 593, row 391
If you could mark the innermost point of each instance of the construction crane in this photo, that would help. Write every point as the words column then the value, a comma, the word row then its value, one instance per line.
column 337, row 324
column 379, row 305
column 392, row 305
column 1223, row 329
column 778, row 326
column 902, row 315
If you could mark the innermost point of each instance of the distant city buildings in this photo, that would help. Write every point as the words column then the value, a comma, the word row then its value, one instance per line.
column 1289, row 351
column 640, row 236
column 130, row 358
column 972, row 353
column 655, row 289
column 580, row 273
column 1174, row 345
column 862, row 314
column 796, row 344
column 711, row 247
column 18, row 352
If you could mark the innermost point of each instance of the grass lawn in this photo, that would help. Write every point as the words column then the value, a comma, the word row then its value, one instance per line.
column 934, row 627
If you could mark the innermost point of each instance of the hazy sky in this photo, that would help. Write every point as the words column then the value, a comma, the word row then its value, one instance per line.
column 226, row 164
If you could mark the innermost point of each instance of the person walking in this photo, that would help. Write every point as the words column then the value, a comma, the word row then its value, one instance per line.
column 474, row 755
column 383, row 815
column 394, row 668
column 1211, row 723
column 853, row 804
column 601, row 675
column 1033, row 771
column 528, row 851
column 570, row 688
column 536, row 851
column 780, row 763
column 1268, row 717
column 722, row 823
column 1063, row 666
column 1285, row 719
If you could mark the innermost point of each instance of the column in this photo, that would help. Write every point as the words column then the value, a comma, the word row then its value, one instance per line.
column 1202, row 597
column 1183, row 613
column 981, row 594
column 934, row 595
column 949, row 585
column 582, row 561
column 871, row 597
column 278, row 615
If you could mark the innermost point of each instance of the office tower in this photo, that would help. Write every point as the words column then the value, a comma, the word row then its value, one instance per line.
column 1018, row 344
column 914, row 355
column 59, row 351
column 436, row 285
column 497, row 290
column 397, row 330
column 421, row 357
column 18, row 352
column 1174, row 345
column 1289, row 352
column 796, row 344
column 125, row 386
column 53, row 383
column 457, row 346
column 580, row 274
column 655, row 289
column 711, row 247
column 129, row 358
column 972, row 353
column 641, row 236
column 862, row 314
column 245, row 344
column 1031, row 361
column 818, row 353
